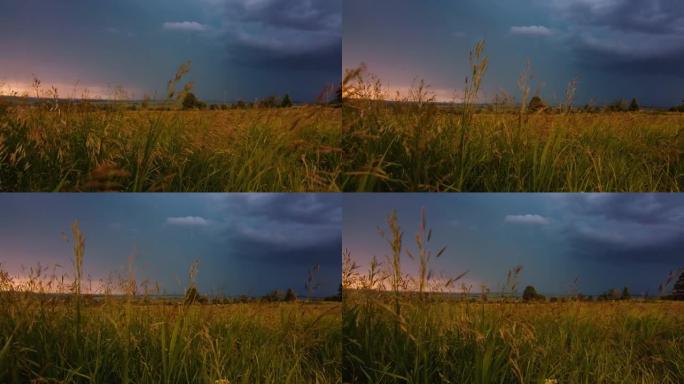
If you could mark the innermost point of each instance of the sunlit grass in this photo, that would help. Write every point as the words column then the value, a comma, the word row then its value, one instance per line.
column 55, row 327
column 396, row 332
column 289, row 149
column 445, row 341
column 410, row 143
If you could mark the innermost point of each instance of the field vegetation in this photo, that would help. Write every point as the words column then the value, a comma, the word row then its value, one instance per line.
column 418, row 328
column 179, row 144
column 55, row 328
column 415, row 143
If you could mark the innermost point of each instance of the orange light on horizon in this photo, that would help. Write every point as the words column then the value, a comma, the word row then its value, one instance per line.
column 63, row 90
column 406, row 93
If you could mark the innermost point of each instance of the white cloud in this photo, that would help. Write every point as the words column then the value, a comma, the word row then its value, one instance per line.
column 188, row 221
column 185, row 26
column 531, row 30
column 527, row 219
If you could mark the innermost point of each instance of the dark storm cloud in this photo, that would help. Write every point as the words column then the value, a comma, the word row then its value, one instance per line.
column 634, row 36
column 294, row 34
column 619, row 228
column 240, row 49
column 246, row 243
column 286, row 229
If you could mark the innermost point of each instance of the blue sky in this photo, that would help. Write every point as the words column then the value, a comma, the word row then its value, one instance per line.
column 614, row 48
column 245, row 243
column 604, row 240
column 240, row 49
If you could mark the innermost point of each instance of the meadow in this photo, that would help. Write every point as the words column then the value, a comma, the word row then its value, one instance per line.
column 402, row 327
column 414, row 143
column 452, row 341
column 76, row 148
column 58, row 327
column 121, row 341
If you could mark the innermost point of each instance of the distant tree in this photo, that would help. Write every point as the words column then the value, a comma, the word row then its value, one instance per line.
column 268, row 102
column 619, row 105
column 530, row 294
column 611, row 294
column 677, row 108
column 634, row 105
column 536, row 104
column 273, row 296
column 190, row 101
column 286, row 102
column 290, row 295
column 192, row 296
column 625, row 294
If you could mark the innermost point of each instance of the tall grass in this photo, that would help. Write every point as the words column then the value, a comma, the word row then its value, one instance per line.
column 440, row 337
column 80, row 146
column 126, row 338
column 413, row 144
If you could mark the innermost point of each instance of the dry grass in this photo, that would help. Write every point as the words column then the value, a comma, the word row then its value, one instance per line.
column 415, row 144
column 77, row 149
column 52, row 332
column 460, row 342
column 394, row 332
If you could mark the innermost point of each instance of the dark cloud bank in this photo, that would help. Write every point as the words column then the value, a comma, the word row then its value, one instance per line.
column 627, row 228
column 299, row 34
column 633, row 36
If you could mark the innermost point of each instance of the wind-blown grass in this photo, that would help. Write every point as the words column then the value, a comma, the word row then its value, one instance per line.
column 460, row 342
column 413, row 143
column 396, row 332
column 80, row 149
column 168, row 343
column 50, row 331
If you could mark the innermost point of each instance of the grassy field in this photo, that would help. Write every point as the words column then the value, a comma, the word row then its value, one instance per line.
column 41, row 341
column 55, row 328
column 401, row 327
column 75, row 148
column 412, row 143
column 403, row 148
column 442, row 341
column 61, row 328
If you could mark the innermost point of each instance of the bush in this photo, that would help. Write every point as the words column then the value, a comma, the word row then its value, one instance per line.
column 286, row 102
column 268, row 102
column 190, row 101
column 617, row 106
column 290, row 295
column 612, row 294
column 273, row 296
column 634, row 105
column 530, row 294
column 536, row 104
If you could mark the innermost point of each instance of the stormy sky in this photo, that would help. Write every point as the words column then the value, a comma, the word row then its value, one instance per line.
column 603, row 240
column 240, row 49
column 245, row 243
column 613, row 48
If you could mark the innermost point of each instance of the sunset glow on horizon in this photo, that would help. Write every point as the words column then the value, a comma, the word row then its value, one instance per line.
column 595, row 241
column 615, row 49
column 238, row 239
column 240, row 50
